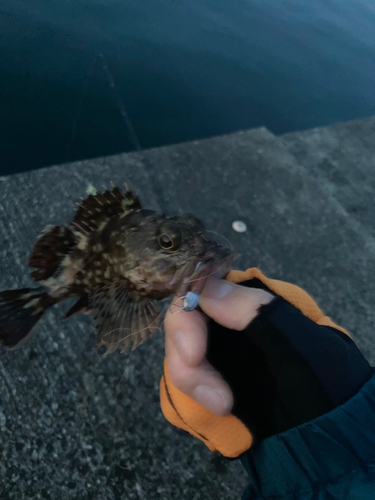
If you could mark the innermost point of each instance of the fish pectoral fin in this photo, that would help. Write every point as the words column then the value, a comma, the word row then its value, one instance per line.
column 122, row 319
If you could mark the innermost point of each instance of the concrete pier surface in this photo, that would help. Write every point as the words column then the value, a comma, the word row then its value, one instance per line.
column 76, row 425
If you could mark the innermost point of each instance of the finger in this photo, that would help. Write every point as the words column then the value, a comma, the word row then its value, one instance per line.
column 188, row 369
column 230, row 305
column 202, row 383
column 188, row 333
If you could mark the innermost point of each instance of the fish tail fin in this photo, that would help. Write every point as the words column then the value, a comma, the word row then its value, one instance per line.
column 20, row 311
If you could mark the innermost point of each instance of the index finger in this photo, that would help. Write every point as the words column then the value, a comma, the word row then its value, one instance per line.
column 230, row 305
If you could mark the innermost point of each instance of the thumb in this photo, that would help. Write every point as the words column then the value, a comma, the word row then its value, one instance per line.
column 232, row 306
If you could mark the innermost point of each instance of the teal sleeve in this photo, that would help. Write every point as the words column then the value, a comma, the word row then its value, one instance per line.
column 331, row 457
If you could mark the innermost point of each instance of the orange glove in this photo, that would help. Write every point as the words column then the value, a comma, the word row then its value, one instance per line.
column 228, row 434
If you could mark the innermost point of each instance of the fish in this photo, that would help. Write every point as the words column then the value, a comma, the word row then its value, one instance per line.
column 118, row 261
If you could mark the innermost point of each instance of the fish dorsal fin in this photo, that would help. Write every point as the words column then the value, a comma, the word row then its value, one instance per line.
column 98, row 208
column 122, row 319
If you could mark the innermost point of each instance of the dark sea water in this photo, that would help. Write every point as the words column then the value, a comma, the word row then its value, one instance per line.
column 179, row 69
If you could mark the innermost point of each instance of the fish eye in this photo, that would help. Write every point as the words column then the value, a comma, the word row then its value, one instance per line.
column 169, row 239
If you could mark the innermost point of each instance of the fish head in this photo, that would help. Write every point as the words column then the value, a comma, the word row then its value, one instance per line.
column 171, row 255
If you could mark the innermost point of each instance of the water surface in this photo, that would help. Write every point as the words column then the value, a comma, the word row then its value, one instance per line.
column 181, row 70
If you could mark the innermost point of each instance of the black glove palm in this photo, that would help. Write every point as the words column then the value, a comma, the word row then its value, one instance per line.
column 284, row 369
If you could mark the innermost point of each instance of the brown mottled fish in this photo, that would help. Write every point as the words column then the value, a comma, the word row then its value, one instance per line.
column 118, row 260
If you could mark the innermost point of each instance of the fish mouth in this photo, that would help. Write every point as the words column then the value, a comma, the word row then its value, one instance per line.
column 195, row 280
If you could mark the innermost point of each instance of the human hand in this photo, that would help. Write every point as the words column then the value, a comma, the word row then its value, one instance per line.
column 239, row 374
column 230, row 305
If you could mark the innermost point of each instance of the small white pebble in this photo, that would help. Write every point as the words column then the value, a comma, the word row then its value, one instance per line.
column 239, row 226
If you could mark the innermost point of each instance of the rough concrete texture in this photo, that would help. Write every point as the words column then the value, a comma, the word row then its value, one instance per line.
column 75, row 425
column 342, row 158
